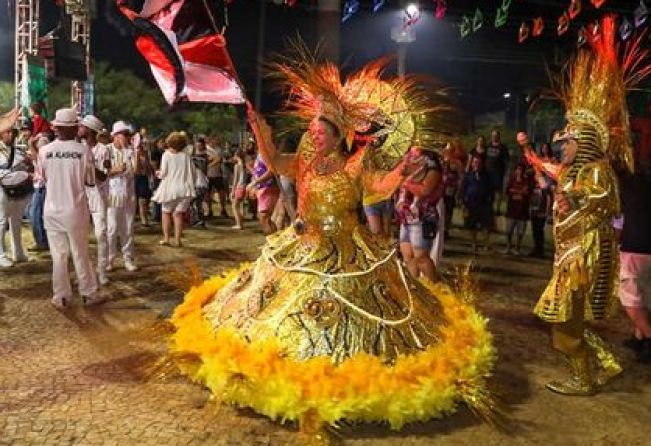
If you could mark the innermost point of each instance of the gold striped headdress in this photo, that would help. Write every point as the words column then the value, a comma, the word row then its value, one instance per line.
column 594, row 92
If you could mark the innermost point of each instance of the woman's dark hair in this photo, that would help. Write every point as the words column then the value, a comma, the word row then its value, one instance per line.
column 546, row 148
column 37, row 107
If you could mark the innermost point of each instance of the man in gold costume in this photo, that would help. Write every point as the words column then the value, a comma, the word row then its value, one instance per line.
column 584, row 283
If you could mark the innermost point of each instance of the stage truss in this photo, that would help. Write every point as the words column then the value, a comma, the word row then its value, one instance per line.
column 27, row 16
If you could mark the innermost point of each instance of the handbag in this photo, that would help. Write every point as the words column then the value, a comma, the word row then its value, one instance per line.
column 17, row 184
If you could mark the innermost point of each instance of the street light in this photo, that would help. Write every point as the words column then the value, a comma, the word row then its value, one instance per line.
column 412, row 10
column 506, row 95
column 404, row 34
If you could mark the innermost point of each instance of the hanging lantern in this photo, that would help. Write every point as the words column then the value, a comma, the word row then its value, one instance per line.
column 625, row 29
column 538, row 27
column 641, row 13
column 563, row 24
column 523, row 33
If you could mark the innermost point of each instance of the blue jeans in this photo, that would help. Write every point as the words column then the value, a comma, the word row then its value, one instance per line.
column 36, row 217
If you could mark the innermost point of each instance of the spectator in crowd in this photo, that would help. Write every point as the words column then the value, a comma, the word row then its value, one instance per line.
column 156, row 156
column 635, row 256
column 238, row 190
column 476, row 191
column 13, row 168
column 416, row 208
column 142, row 177
column 38, row 199
column 98, row 194
column 24, row 137
column 250, row 155
column 40, row 125
column 200, row 163
column 264, row 183
column 67, row 168
column 478, row 151
column 122, row 197
column 216, row 180
column 517, row 212
column 546, row 153
column 540, row 205
column 177, row 187
column 497, row 159
column 452, row 176
column 455, row 153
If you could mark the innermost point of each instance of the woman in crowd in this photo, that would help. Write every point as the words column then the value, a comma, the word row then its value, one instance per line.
column 517, row 209
column 202, row 184
column 416, row 207
column 177, row 188
column 143, row 173
column 452, row 176
column 476, row 193
column 238, row 189
column 266, row 192
column 479, row 151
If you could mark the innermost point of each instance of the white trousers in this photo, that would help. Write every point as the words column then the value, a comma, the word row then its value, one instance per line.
column 120, row 226
column 62, row 245
column 100, row 226
column 11, row 211
column 437, row 248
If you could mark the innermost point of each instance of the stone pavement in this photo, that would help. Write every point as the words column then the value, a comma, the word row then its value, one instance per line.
column 76, row 378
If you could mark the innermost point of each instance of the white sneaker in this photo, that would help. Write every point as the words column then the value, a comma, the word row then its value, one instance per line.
column 130, row 266
column 102, row 279
column 95, row 299
column 5, row 263
column 60, row 302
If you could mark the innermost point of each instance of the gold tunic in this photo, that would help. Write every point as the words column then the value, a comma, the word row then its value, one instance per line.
column 586, row 254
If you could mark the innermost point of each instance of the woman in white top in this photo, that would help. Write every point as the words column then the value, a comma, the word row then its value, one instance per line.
column 176, row 189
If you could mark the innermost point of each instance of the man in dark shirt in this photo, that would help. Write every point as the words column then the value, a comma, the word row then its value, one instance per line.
column 497, row 158
column 635, row 258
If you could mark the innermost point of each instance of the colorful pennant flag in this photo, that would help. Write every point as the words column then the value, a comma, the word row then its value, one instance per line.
column 641, row 13
column 523, row 32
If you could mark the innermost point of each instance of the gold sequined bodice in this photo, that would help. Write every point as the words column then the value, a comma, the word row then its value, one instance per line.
column 327, row 202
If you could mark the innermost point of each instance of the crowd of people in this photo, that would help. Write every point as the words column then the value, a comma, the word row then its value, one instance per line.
column 180, row 179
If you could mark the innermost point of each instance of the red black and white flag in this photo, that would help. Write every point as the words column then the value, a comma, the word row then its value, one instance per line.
column 184, row 44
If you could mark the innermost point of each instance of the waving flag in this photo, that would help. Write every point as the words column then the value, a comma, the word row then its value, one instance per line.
column 183, row 42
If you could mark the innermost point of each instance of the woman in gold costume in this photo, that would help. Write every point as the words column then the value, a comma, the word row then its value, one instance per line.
column 327, row 325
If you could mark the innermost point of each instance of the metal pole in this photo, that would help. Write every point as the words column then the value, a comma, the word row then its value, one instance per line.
column 262, row 27
column 402, row 58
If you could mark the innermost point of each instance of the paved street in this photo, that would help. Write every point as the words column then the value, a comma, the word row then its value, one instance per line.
column 77, row 377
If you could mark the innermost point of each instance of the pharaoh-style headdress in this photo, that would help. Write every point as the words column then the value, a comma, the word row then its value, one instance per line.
column 400, row 111
column 594, row 92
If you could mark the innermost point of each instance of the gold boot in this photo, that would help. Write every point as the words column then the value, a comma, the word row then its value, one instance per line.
column 580, row 383
column 607, row 361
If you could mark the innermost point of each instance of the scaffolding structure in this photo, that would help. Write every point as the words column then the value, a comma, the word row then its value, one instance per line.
column 79, row 11
column 27, row 16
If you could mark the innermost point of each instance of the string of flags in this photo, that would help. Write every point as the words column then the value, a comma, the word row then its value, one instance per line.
column 472, row 23
column 535, row 27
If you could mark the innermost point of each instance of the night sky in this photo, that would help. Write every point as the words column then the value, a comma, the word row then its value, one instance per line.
column 481, row 67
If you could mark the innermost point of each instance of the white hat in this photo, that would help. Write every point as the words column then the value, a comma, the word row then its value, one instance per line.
column 120, row 127
column 65, row 117
column 92, row 123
